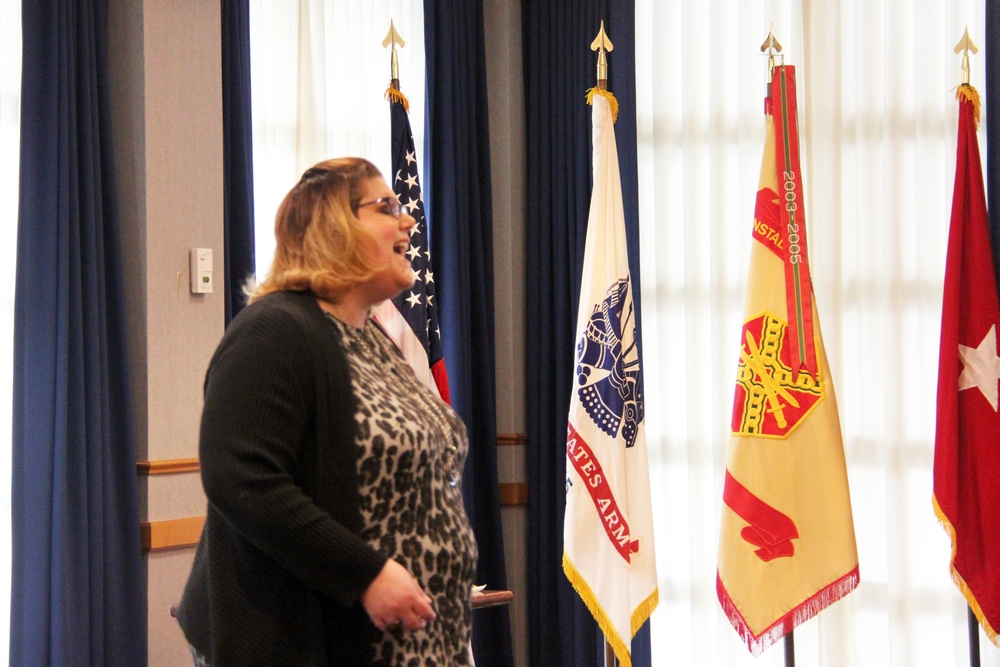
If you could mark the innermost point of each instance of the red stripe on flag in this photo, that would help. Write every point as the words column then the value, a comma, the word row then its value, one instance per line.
column 589, row 468
column 440, row 374
column 769, row 529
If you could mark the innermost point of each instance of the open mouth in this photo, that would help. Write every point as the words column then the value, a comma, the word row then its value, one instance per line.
column 401, row 247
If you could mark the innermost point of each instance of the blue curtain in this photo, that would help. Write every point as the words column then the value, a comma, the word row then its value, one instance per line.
column 559, row 67
column 237, row 137
column 458, row 204
column 77, row 578
column 992, row 42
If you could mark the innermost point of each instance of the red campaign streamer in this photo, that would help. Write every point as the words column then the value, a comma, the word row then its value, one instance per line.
column 798, row 284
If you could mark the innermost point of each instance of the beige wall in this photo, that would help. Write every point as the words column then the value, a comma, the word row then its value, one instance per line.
column 167, row 107
column 167, row 103
column 507, row 156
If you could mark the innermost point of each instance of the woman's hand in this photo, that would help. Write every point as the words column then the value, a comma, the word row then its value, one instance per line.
column 394, row 597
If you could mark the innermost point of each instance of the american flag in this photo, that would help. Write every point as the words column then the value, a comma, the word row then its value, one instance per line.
column 411, row 318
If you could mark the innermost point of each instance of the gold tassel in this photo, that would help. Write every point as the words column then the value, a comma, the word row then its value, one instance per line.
column 644, row 610
column 393, row 95
column 950, row 529
column 967, row 93
column 612, row 102
column 590, row 600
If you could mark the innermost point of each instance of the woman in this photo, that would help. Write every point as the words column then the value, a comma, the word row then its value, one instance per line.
column 335, row 532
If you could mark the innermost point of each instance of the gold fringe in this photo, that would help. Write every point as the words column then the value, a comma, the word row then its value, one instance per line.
column 639, row 616
column 393, row 95
column 950, row 529
column 967, row 93
column 645, row 610
column 612, row 102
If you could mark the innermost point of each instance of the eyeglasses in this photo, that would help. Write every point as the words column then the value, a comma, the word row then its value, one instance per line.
column 395, row 209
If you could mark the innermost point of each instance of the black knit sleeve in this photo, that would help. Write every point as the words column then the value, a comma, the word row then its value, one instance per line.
column 260, row 400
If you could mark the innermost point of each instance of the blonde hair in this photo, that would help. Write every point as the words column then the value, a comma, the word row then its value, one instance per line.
column 320, row 244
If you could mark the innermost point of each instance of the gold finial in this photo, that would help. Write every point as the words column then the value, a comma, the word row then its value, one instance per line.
column 965, row 44
column 770, row 47
column 392, row 37
column 602, row 45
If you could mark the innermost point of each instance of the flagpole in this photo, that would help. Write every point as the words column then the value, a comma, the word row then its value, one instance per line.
column 411, row 318
column 602, row 45
column 392, row 38
column 790, row 649
column 771, row 47
column 609, row 655
column 973, row 638
column 965, row 46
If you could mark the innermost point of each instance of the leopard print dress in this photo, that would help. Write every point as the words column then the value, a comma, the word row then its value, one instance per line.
column 411, row 448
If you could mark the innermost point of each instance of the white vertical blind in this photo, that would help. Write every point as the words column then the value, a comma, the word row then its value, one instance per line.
column 878, row 119
column 10, row 103
column 318, row 74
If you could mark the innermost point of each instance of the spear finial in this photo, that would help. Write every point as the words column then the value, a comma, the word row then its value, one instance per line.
column 966, row 92
column 965, row 44
column 770, row 47
column 603, row 46
column 393, row 38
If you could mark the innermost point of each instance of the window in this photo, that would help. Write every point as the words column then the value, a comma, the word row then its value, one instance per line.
column 878, row 123
column 318, row 74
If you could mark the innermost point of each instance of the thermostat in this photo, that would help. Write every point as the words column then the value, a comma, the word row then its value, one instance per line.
column 201, row 270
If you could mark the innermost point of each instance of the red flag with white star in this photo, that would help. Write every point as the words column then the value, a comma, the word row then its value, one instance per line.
column 967, row 443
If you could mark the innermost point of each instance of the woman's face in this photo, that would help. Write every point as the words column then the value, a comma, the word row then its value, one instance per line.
column 391, row 235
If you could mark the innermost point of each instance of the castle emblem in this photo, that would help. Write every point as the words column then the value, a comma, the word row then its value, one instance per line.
column 770, row 400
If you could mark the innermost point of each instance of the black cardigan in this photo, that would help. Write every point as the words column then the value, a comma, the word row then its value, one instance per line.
column 280, row 566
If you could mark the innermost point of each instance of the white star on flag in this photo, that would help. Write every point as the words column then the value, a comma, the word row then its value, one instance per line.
column 981, row 367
